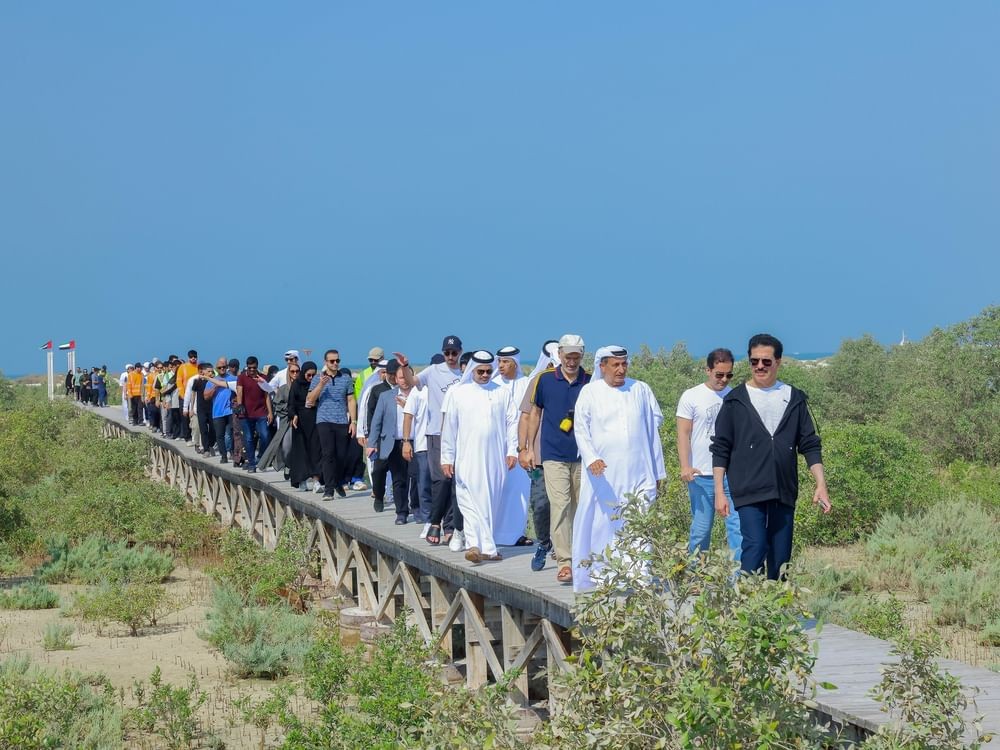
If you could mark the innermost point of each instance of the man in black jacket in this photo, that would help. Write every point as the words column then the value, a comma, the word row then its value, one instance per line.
column 760, row 427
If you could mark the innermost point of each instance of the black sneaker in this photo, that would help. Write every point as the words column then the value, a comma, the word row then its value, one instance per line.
column 341, row 492
column 224, row 460
column 252, row 470
column 378, row 506
column 400, row 519
column 328, row 496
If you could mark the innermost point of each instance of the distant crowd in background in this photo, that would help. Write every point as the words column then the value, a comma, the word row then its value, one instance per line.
column 467, row 446
column 88, row 386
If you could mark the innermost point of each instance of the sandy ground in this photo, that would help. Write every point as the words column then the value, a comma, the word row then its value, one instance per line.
column 173, row 645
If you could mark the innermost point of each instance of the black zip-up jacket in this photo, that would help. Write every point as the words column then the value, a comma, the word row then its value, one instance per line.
column 758, row 466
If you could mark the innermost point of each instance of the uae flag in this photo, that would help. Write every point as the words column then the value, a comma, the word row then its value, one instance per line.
column 70, row 345
column 46, row 347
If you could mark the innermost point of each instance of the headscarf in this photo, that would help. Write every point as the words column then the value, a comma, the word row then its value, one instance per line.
column 509, row 352
column 612, row 350
column 481, row 357
column 549, row 356
column 300, row 386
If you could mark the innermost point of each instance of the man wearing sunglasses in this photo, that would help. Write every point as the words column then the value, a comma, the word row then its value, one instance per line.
column 696, row 412
column 760, row 427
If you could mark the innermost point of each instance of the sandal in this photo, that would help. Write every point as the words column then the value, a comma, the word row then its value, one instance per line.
column 492, row 558
column 565, row 574
column 433, row 535
column 447, row 537
column 523, row 541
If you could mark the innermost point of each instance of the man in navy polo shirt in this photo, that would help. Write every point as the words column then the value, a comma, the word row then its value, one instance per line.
column 332, row 395
column 553, row 401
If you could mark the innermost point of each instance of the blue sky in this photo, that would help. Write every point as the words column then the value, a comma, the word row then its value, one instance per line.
column 248, row 177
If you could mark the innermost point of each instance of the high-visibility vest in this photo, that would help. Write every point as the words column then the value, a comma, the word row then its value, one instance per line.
column 134, row 385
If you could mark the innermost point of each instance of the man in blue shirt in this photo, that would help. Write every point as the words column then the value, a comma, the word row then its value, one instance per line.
column 553, row 399
column 332, row 395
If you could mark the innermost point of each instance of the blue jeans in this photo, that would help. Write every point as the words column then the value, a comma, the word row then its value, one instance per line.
column 702, row 493
column 251, row 426
column 767, row 536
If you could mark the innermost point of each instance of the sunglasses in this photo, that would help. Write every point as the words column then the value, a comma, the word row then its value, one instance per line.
column 763, row 362
column 290, row 359
column 292, row 372
column 333, row 361
column 723, row 375
column 372, row 360
column 310, row 373
column 450, row 353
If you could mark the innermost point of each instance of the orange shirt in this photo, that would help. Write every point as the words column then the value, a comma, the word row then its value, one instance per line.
column 134, row 384
column 150, row 382
column 184, row 373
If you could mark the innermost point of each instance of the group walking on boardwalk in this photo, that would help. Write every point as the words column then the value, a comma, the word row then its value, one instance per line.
column 470, row 444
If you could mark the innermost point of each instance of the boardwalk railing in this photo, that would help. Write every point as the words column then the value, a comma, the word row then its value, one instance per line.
column 495, row 627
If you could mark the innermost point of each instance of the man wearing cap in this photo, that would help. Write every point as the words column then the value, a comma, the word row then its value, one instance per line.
column 478, row 450
column 281, row 376
column 437, row 379
column 375, row 354
column 618, row 431
column 553, row 403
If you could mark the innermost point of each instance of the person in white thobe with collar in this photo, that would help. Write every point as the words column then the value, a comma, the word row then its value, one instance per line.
column 512, row 519
column 478, row 449
column 618, row 432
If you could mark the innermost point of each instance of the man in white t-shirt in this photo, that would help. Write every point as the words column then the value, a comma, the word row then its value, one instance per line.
column 415, row 451
column 696, row 412
column 436, row 380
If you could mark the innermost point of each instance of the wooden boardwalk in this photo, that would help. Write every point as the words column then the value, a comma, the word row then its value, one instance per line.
column 848, row 659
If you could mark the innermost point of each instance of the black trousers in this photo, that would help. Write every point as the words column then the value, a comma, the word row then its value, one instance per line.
column 135, row 409
column 400, row 471
column 223, row 429
column 444, row 504
column 334, row 443
column 207, row 429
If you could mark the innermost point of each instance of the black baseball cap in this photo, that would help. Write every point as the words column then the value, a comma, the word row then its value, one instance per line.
column 451, row 342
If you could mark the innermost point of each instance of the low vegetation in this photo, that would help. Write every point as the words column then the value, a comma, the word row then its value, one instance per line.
column 31, row 595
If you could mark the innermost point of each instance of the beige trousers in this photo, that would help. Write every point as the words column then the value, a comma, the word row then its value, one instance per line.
column 562, row 485
column 195, row 429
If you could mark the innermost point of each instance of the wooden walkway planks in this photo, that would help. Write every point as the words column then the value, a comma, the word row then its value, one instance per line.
column 846, row 658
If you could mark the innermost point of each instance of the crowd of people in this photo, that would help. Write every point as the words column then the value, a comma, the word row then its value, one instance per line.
column 88, row 386
column 470, row 444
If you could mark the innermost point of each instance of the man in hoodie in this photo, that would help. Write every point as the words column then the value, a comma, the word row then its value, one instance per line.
column 760, row 426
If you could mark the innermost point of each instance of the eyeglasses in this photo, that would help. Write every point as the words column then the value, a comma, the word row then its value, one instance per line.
column 310, row 374
column 372, row 360
column 450, row 353
column 333, row 361
column 763, row 362
column 292, row 372
column 723, row 375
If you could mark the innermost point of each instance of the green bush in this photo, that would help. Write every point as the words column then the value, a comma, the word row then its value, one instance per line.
column 96, row 560
column 168, row 711
column 871, row 470
column 394, row 699
column 686, row 654
column 56, row 636
column 857, row 384
column 929, row 702
column 257, row 641
column 42, row 709
column 29, row 596
column 879, row 617
column 264, row 576
column 137, row 605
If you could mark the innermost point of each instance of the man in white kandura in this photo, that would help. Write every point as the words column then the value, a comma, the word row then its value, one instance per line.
column 509, row 526
column 618, row 433
column 478, row 449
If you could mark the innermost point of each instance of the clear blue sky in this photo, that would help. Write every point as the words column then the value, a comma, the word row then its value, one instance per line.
column 246, row 177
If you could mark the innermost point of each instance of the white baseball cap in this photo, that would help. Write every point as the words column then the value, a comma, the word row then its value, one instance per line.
column 571, row 343
column 292, row 353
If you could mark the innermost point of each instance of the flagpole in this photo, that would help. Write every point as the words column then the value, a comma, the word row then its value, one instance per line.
column 52, row 375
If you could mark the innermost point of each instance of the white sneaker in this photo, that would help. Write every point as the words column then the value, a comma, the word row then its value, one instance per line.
column 427, row 527
column 318, row 489
column 457, row 543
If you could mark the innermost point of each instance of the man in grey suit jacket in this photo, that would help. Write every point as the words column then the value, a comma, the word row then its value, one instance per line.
column 385, row 443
